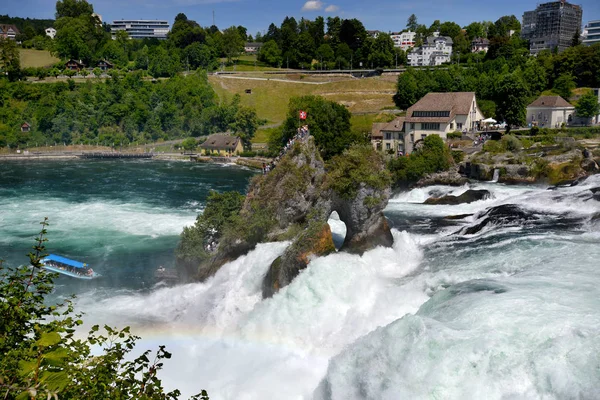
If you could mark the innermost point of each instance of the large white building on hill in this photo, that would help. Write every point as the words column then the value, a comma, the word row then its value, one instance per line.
column 435, row 51
column 141, row 28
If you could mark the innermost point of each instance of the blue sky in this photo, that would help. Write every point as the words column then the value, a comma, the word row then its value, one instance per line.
column 384, row 15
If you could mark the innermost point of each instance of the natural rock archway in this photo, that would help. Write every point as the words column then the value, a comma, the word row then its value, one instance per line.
column 294, row 202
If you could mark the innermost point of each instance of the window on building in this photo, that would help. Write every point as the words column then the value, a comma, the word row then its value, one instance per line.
column 412, row 125
column 388, row 146
column 423, row 136
column 451, row 125
column 459, row 125
column 388, row 136
column 430, row 126
column 431, row 113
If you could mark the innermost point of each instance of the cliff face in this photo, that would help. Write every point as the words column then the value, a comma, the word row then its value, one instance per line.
column 294, row 201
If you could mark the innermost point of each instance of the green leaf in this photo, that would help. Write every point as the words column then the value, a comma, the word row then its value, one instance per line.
column 48, row 339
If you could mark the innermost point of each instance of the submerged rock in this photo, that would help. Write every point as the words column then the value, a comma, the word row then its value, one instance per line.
column 506, row 214
column 469, row 196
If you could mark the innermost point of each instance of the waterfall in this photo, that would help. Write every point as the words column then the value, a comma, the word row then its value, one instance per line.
column 496, row 175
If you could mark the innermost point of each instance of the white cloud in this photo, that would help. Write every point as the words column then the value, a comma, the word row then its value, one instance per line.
column 332, row 8
column 312, row 5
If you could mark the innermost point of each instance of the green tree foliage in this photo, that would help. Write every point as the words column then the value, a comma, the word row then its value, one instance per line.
column 587, row 106
column 360, row 164
column 196, row 241
column 450, row 29
column 382, row 51
column 270, row 53
column 135, row 110
column 406, row 90
column 79, row 35
column 186, row 32
column 412, row 23
column 511, row 100
column 233, row 43
column 200, row 56
column 432, row 156
column 329, row 124
column 475, row 30
column 189, row 144
column 10, row 63
column 564, row 86
column 42, row 358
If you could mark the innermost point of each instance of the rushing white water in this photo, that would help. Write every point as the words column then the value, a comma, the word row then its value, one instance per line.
column 510, row 312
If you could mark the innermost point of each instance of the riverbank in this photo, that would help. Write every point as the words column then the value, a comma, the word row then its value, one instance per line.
column 254, row 163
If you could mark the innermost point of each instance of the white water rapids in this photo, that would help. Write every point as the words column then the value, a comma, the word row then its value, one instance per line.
column 507, row 313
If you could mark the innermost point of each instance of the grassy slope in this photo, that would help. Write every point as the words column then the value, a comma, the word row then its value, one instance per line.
column 36, row 58
column 270, row 98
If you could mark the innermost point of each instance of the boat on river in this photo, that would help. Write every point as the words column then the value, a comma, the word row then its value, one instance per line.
column 66, row 266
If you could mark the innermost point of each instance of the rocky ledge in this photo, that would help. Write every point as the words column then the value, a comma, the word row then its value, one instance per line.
column 294, row 201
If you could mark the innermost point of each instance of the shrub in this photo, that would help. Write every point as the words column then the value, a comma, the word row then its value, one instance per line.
column 455, row 135
column 433, row 156
column 248, row 154
column 458, row 156
column 511, row 143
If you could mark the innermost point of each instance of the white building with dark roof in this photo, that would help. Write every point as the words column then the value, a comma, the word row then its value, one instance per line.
column 439, row 114
column 550, row 112
column 435, row 51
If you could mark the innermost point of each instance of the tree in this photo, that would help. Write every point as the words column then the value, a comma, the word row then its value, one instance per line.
column 450, row 29
column 232, row 43
column 73, row 8
column 329, row 124
column 42, row 358
column 382, row 51
column 412, row 23
column 245, row 125
column 475, row 30
column 564, row 85
column 189, row 144
column 270, row 53
column 588, row 106
column 406, row 90
column 10, row 63
column 511, row 100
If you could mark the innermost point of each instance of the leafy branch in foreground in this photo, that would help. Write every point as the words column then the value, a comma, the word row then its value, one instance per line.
column 42, row 357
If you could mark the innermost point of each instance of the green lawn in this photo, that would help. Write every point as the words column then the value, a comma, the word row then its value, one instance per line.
column 31, row 58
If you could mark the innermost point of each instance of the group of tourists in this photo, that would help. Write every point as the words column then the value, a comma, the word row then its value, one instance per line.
column 302, row 133
column 481, row 139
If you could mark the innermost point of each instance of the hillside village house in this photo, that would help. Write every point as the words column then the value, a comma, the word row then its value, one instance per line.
column 104, row 65
column 550, row 112
column 435, row 51
column 389, row 137
column 25, row 127
column 8, row 31
column 480, row 44
column 252, row 48
column 74, row 65
column 224, row 145
column 403, row 40
column 439, row 114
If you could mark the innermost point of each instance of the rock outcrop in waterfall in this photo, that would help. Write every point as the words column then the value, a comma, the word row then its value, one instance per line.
column 294, row 201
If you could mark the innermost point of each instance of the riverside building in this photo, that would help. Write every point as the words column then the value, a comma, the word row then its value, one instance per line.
column 141, row 28
column 551, row 26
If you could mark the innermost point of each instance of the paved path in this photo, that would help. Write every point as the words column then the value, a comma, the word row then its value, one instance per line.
column 270, row 79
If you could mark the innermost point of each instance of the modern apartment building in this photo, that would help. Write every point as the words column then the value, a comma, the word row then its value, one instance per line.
column 404, row 40
column 141, row 29
column 551, row 26
column 435, row 51
column 593, row 33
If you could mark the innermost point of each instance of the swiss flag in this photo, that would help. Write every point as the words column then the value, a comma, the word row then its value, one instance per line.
column 302, row 114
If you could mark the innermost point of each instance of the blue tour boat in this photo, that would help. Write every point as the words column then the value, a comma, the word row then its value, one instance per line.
column 66, row 266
